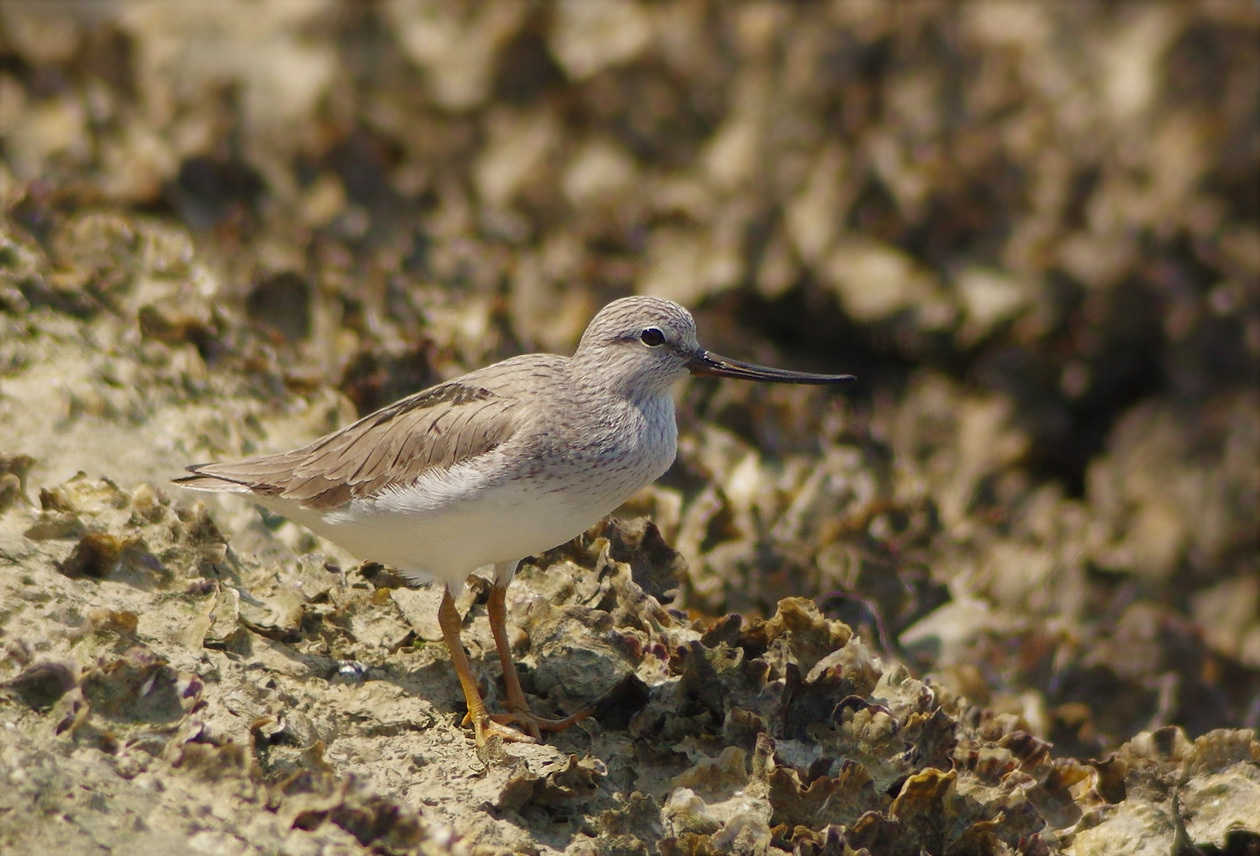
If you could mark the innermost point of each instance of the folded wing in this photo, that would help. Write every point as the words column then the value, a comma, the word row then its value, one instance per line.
column 435, row 428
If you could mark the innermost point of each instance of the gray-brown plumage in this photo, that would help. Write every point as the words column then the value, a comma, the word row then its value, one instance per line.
column 433, row 429
column 496, row 465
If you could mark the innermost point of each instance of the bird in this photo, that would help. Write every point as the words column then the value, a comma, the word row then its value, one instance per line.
column 495, row 466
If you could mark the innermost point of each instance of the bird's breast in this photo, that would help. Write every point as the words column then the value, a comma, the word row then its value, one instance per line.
column 619, row 454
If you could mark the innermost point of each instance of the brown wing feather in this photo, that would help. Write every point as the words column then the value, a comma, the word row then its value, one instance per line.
column 394, row 445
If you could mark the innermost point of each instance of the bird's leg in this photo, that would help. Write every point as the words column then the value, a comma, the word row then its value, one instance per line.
column 483, row 725
column 521, row 715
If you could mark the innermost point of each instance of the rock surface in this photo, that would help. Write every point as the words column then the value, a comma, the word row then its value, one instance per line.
column 1003, row 598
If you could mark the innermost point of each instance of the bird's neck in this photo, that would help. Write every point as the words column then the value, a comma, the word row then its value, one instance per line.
column 600, row 374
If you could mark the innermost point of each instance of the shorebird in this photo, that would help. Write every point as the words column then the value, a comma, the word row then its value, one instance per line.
column 497, row 465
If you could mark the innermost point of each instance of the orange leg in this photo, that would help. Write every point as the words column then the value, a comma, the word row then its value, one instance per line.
column 483, row 725
column 521, row 716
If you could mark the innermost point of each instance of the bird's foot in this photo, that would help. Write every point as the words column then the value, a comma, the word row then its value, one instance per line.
column 484, row 730
column 534, row 725
column 521, row 726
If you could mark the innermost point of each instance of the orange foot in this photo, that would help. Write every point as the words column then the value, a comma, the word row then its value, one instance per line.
column 521, row 726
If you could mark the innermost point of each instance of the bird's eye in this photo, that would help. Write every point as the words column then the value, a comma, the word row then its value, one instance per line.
column 652, row 337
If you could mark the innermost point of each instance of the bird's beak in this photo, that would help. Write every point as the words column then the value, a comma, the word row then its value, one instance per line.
column 707, row 363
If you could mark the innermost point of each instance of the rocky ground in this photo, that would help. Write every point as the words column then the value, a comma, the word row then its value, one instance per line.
column 1003, row 597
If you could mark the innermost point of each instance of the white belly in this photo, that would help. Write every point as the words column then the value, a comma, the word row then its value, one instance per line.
column 451, row 523
column 504, row 526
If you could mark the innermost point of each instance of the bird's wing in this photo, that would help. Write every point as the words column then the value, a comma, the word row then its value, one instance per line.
column 433, row 429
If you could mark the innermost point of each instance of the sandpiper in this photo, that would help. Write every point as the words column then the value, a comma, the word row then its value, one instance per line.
column 499, row 464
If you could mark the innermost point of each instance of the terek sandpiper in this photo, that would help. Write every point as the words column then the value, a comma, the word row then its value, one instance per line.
column 499, row 464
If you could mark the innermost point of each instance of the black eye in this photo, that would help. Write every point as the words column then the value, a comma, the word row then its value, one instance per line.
column 652, row 337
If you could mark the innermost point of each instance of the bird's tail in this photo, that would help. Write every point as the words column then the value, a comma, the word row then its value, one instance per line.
column 204, row 477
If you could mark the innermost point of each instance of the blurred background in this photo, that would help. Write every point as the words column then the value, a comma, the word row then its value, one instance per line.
column 1029, row 228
